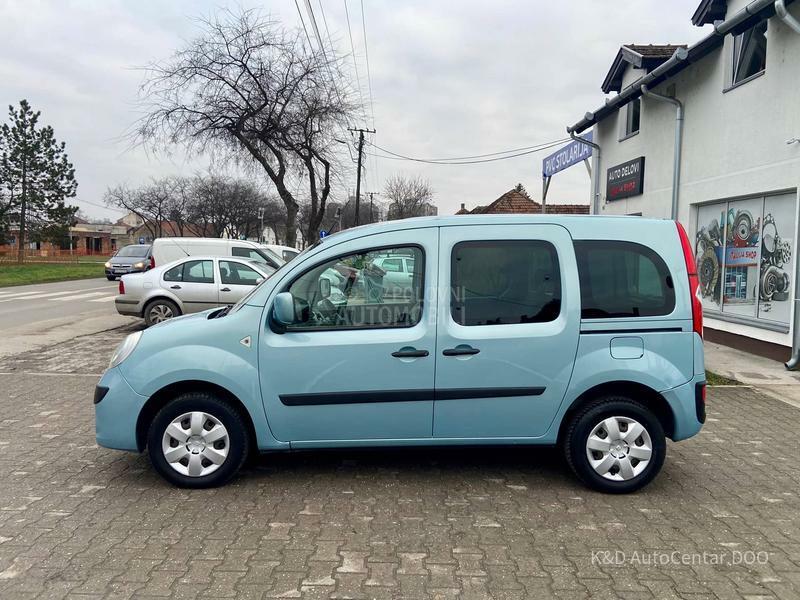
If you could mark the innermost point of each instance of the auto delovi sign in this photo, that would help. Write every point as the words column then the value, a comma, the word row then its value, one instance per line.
column 625, row 180
column 571, row 154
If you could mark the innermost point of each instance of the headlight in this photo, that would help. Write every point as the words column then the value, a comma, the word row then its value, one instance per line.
column 139, row 265
column 108, row 265
column 124, row 350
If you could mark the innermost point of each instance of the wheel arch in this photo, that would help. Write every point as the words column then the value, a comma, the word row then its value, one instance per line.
column 645, row 395
column 160, row 398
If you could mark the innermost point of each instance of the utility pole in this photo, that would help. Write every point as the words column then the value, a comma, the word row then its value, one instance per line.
column 361, row 133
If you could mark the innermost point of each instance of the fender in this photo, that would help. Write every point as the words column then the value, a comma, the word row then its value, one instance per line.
column 228, row 363
column 667, row 362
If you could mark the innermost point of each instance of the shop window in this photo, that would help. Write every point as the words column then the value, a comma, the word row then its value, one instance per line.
column 744, row 257
column 633, row 116
column 749, row 53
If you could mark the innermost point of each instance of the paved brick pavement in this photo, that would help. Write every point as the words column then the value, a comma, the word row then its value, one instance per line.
column 80, row 521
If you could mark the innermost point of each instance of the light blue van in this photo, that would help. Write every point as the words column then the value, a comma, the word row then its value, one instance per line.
column 585, row 332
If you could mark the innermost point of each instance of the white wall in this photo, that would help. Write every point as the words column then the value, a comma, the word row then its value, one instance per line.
column 734, row 141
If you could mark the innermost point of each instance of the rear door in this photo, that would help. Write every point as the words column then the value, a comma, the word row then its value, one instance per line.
column 194, row 283
column 507, row 329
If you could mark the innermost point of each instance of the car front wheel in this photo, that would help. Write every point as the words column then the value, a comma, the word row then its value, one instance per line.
column 197, row 441
column 615, row 445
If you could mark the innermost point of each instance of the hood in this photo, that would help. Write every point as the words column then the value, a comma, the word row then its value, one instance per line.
column 128, row 260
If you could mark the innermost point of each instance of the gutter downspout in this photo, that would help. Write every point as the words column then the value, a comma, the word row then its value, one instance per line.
column 785, row 16
column 794, row 362
column 678, row 151
column 596, row 190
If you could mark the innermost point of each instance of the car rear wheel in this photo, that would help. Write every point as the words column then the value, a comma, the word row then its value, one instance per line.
column 615, row 445
column 197, row 441
column 160, row 310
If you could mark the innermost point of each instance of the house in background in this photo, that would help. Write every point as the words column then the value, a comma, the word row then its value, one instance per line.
column 517, row 201
column 101, row 239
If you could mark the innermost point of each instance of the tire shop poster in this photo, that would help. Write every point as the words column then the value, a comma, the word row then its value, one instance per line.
column 744, row 256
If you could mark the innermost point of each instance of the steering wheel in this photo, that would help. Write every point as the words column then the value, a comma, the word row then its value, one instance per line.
column 324, row 312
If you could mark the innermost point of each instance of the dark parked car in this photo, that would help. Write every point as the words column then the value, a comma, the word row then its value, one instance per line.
column 134, row 258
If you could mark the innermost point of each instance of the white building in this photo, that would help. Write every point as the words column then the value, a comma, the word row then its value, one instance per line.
column 739, row 163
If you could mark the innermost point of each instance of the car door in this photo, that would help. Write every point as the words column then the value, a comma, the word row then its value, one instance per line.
column 507, row 330
column 357, row 370
column 193, row 282
column 236, row 279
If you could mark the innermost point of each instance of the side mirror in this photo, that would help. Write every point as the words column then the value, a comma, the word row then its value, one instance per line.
column 283, row 308
column 259, row 280
column 324, row 287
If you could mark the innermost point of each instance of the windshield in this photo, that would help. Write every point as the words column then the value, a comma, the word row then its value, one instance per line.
column 135, row 250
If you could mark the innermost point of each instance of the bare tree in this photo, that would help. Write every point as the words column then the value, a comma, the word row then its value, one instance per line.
column 248, row 87
column 152, row 203
column 408, row 197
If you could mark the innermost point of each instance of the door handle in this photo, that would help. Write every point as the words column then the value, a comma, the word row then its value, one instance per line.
column 410, row 353
column 460, row 350
column 175, row 287
column 225, row 289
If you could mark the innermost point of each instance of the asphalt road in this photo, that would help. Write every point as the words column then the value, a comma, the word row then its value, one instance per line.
column 32, row 316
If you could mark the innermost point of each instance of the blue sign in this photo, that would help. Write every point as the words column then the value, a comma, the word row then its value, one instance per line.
column 141, row 240
column 571, row 154
column 323, row 234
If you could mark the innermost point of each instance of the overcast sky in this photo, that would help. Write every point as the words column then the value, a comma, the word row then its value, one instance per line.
column 449, row 78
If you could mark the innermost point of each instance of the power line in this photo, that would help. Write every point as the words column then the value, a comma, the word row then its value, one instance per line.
column 303, row 22
column 82, row 201
column 313, row 21
column 369, row 86
column 353, row 48
column 366, row 55
column 466, row 160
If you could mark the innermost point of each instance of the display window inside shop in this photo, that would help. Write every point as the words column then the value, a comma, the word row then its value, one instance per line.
column 745, row 256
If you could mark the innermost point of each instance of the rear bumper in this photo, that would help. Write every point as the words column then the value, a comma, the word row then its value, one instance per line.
column 683, row 401
column 131, row 308
column 116, row 412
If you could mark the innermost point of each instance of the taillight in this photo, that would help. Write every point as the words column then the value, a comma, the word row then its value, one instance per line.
column 694, row 282
column 152, row 263
column 121, row 286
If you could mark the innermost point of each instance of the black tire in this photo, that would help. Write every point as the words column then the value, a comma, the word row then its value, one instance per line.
column 585, row 421
column 222, row 411
column 148, row 313
column 110, row 277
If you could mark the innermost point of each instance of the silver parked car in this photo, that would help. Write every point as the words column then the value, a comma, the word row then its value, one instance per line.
column 189, row 285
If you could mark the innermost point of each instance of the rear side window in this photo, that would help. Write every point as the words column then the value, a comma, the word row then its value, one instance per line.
column 622, row 279
column 505, row 282
column 193, row 271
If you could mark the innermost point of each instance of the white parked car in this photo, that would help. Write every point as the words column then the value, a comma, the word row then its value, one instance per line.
column 287, row 253
column 168, row 249
column 190, row 285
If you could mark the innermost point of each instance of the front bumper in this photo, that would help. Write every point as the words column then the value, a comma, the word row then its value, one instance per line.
column 116, row 413
column 119, row 271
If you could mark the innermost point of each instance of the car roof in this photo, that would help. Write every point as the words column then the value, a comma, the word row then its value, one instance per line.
column 239, row 259
column 579, row 226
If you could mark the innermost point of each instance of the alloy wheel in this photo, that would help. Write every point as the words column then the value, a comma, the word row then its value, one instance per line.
column 195, row 444
column 619, row 448
column 160, row 312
